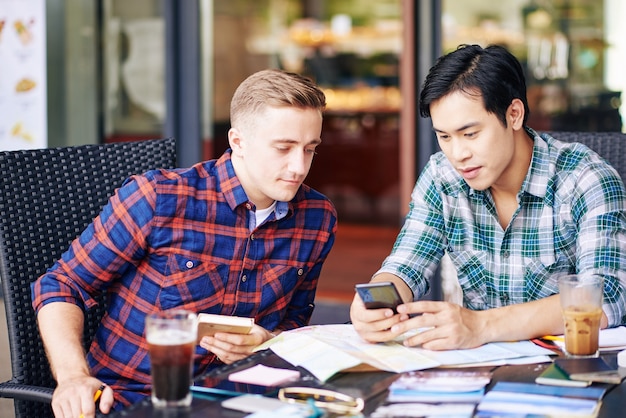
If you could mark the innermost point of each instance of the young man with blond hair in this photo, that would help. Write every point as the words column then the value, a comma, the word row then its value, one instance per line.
column 240, row 235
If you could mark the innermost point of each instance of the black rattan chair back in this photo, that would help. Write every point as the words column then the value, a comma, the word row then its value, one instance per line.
column 47, row 197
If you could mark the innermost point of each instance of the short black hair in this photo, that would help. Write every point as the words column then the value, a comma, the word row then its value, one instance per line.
column 493, row 72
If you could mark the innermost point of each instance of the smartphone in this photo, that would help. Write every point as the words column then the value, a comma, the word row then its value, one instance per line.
column 578, row 366
column 593, row 369
column 379, row 295
column 209, row 324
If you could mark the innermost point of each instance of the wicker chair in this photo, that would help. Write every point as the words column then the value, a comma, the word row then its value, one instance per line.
column 609, row 145
column 47, row 197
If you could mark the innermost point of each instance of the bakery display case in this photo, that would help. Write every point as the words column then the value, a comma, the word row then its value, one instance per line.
column 352, row 51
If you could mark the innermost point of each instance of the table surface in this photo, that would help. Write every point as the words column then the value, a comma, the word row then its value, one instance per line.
column 370, row 385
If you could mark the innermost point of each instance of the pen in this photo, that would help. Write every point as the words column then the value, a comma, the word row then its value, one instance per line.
column 96, row 397
column 552, row 338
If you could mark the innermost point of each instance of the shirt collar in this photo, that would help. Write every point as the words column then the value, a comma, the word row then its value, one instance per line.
column 536, row 181
column 232, row 189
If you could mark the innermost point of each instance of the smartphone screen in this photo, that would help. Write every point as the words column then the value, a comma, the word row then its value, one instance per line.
column 379, row 295
column 574, row 366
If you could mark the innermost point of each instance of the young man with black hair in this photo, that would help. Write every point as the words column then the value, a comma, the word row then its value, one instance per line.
column 513, row 209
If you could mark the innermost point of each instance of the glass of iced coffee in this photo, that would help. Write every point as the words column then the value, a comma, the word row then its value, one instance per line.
column 581, row 303
column 171, row 337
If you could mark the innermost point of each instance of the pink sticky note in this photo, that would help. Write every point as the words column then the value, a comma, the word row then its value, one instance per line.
column 264, row 376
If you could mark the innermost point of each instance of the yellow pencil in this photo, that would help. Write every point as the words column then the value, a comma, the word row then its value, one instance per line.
column 96, row 397
column 98, row 393
column 552, row 338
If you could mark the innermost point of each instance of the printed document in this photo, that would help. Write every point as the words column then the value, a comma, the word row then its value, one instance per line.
column 325, row 350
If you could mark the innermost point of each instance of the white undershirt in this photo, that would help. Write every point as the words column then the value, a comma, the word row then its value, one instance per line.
column 262, row 214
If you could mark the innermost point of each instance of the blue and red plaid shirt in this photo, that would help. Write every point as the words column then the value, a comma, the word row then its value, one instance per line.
column 185, row 238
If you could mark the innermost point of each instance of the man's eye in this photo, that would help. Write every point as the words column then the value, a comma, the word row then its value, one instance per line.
column 310, row 151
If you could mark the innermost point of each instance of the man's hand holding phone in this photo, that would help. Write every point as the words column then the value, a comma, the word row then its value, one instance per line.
column 373, row 311
column 230, row 338
column 379, row 295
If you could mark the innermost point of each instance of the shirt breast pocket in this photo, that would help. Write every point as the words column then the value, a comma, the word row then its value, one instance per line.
column 540, row 279
column 279, row 281
column 190, row 283
column 475, row 279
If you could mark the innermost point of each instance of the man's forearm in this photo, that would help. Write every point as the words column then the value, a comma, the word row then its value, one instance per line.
column 61, row 327
column 525, row 320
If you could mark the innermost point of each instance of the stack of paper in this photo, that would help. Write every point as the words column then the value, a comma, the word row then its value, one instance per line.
column 420, row 410
column 610, row 339
column 530, row 399
column 437, row 386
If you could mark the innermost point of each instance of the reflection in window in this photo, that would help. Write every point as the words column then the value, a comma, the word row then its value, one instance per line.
column 564, row 48
column 133, row 69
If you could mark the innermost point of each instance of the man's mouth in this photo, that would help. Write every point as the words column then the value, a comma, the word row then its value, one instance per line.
column 470, row 172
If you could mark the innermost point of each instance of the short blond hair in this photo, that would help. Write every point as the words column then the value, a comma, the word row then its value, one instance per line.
column 275, row 88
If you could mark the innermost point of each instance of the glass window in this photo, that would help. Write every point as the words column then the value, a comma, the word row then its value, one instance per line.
column 351, row 48
column 569, row 49
column 133, row 69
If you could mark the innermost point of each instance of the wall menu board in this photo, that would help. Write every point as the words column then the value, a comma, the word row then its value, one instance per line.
column 23, row 112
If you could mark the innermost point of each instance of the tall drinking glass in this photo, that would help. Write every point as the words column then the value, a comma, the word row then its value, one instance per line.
column 171, row 337
column 581, row 303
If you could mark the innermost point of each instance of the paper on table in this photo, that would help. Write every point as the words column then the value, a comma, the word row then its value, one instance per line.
column 325, row 350
column 529, row 399
column 610, row 339
column 613, row 338
column 324, row 357
column 264, row 376
column 497, row 352
column 412, row 409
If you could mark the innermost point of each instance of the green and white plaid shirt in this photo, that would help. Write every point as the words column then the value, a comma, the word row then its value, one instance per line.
column 571, row 218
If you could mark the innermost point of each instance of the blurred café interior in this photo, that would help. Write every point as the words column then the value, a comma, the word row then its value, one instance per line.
column 120, row 70
column 126, row 70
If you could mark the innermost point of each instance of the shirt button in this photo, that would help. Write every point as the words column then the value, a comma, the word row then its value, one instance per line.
column 505, row 298
column 189, row 264
column 251, row 237
column 244, row 278
column 505, row 254
column 248, row 206
column 300, row 272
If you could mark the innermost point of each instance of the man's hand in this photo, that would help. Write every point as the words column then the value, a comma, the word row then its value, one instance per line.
column 448, row 326
column 374, row 325
column 61, row 328
column 443, row 325
column 232, row 347
column 74, row 398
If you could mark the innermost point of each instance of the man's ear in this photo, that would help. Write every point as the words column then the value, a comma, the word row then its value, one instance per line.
column 515, row 114
column 235, row 140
